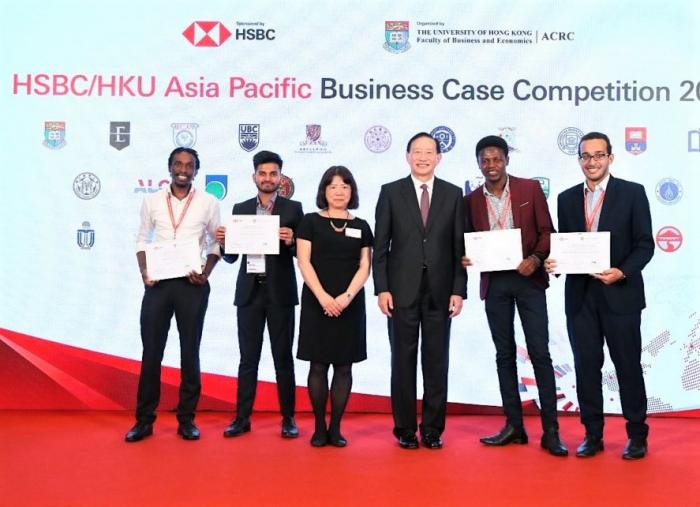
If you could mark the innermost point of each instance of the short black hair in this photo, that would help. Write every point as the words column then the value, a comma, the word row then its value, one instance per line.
column 192, row 152
column 492, row 142
column 595, row 135
column 263, row 157
column 327, row 178
column 423, row 134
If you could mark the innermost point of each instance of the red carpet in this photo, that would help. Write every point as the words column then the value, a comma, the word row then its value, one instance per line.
column 79, row 459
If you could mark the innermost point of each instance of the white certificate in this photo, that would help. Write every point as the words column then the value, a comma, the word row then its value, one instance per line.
column 499, row 250
column 580, row 252
column 253, row 234
column 173, row 259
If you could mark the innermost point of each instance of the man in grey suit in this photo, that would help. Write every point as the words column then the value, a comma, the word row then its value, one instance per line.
column 607, row 306
column 266, row 291
column 420, row 282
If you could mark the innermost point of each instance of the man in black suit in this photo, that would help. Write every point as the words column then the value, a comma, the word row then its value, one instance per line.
column 266, row 291
column 420, row 282
column 608, row 306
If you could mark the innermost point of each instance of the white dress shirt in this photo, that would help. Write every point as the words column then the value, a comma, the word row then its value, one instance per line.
column 200, row 221
column 419, row 191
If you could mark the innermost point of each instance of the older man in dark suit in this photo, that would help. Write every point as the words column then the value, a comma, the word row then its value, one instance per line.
column 420, row 283
column 266, row 291
column 507, row 202
column 608, row 306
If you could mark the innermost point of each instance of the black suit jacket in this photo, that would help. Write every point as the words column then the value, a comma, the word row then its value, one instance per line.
column 281, row 278
column 625, row 213
column 403, row 245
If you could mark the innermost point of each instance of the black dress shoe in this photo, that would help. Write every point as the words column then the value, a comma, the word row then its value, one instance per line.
column 289, row 428
column 552, row 442
column 319, row 438
column 408, row 441
column 188, row 431
column 139, row 432
column 337, row 440
column 432, row 441
column 237, row 427
column 636, row 448
column 508, row 435
column 589, row 447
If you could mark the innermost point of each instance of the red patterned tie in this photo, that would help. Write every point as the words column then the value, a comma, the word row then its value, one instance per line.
column 424, row 204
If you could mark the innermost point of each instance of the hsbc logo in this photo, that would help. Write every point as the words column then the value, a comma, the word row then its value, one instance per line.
column 208, row 34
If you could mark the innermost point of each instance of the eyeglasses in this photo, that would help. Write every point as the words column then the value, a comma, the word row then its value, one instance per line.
column 596, row 156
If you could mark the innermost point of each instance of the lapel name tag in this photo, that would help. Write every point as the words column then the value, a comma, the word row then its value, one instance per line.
column 353, row 233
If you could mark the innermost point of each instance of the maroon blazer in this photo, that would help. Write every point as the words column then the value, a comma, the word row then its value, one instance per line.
column 530, row 214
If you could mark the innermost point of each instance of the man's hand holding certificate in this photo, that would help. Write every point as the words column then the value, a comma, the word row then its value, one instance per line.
column 499, row 250
column 580, row 252
column 173, row 259
column 253, row 234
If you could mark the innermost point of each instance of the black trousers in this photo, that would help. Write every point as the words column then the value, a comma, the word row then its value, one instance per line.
column 434, row 325
column 593, row 325
column 280, row 326
column 508, row 289
column 189, row 304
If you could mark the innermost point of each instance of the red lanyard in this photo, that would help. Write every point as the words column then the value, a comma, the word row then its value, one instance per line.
column 590, row 218
column 499, row 220
column 182, row 213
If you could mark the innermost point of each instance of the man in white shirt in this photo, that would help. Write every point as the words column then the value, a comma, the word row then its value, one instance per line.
column 183, row 213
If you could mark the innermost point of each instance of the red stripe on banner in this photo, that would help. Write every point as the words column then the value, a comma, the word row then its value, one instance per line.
column 40, row 374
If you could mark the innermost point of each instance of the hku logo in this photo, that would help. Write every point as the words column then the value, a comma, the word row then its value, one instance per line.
column 119, row 134
column 396, row 36
column 207, row 34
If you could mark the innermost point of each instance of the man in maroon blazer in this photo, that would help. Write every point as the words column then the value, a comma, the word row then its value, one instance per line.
column 507, row 202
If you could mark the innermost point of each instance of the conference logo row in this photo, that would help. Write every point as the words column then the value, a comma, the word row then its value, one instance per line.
column 87, row 186
column 377, row 138
column 184, row 135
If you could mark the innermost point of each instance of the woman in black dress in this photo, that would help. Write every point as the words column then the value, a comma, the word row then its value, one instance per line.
column 333, row 251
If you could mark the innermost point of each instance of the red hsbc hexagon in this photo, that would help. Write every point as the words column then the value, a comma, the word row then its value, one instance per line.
column 207, row 33
column 669, row 239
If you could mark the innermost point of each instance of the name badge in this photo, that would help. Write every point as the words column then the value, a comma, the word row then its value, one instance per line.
column 255, row 263
column 353, row 233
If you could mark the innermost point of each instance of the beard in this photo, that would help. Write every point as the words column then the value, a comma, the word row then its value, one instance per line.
column 268, row 188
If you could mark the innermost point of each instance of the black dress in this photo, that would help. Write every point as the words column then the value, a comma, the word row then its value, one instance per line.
column 335, row 256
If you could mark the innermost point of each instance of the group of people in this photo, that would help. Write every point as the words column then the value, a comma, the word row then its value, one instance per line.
column 417, row 259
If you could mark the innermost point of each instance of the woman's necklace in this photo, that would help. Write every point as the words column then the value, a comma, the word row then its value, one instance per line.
column 335, row 227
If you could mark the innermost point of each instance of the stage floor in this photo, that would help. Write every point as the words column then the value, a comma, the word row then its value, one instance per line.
column 80, row 459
